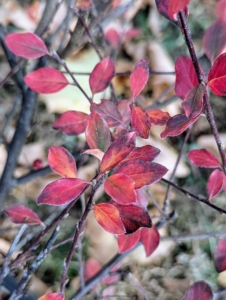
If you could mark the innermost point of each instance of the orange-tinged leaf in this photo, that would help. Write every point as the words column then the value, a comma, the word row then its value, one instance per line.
column 52, row 296
column 46, row 81
column 62, row 191
column 220, row 256
column 108, row 217
column 158, row 117
column 139, row 77
column 193, row 102
column 117, row 151
column 102, row 75
column 199, row 290
column 150, row 238
column 128, row 241
column 21, row 214
column 203, row 158
column 62, row 162
column 83, row 4
column 121, row 188
column 140, row 122
column 215, row 183
column 217, row 76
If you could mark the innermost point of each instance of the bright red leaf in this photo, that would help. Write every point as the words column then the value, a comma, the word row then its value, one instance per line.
column 117, row 151
column 71, row 122
column 220, row 256
column 186, row 77
column 102, row 75
column 109, row 219
column 140, row 122
column 142, row 172
column 139, row 77
column 121, row 188
column 150, row 238
column 98, row 135
column 203, row 158
column 158, row 117
column 113, row 37
column 62, row 162
column 217, row 76
column 46, row 81
column 62, row 191
column 170, row 8
column 193, row 102
column 199, row 290
column 215, row 183
column 177, row 124
column 21, row 214
column 52, row 296
column 128, row 241
column 84, row 4
column 27, row 45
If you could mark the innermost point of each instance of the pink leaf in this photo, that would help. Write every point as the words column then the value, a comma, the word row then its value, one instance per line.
column 199, row 290
column 150, row 238
column 221, row 9
column 92, row 267
column 203, row 158
column 95, row 152
column 215, row 183
column 217, row 76
column 52, row 296
column 139, row 77
column 220, row 256
column 128, row 241
column 113, row 37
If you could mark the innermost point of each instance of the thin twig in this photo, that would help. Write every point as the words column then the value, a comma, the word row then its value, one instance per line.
column 193, row 237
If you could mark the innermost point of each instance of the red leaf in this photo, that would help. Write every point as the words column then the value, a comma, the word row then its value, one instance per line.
column 200, row 290
column 98, row 135
column 121, row 188
column 170, row 8
column 142, row 172
column 95, row 152
column 62, row 162
column 150, row 238
column 221, row 9
column 203, row 158
column 84, row 4
column 52, row 296
column 113, row 37
column 214, row 39
column 186, row 77
column 125, row 110
column 46, row 81
column 217, row 76
column 139, row 77
column 109, row 219
column 133, row 217
column 102, row 75
column 128, row 241
column 26, row 45
column 92, row 267
column 118, row 150
column 21, row 214
column 158, row 117
column 71, row 122
column 215, row 183
column 177, row 124
column 220, row 256
column 140, row 122
column 109, row 111
column 62, row 191
column 193, row 102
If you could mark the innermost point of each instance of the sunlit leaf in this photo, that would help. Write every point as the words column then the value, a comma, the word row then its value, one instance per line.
column 150, row 238
column 203, row 158
column 217, row 76
column 128, row 241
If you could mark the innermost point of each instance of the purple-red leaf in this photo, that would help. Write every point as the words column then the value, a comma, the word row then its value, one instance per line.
column 71, row 122
column 158, row 117
column 62, row 162
column 177, row 124
column 102, row 75
column 140, row 122
column 98, row 135
column 128, row 241
column 193, row 102
column 21, row 214
column 220, row 256
column 203, row 158
column 142, row 172
column 221, row 9
column 150, row 238
column 139, row 77
column 46, row 81
column 170, row 8
column 199, row 290
column 121, row 188
column 125, row 110
column 107, row 215
column 26, row 45
column 117, row 151
column 62, row 191
column 215, row 183
column 217, row 76
column 52, row 296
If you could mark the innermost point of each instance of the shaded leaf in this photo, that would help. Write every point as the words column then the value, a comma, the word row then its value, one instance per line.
column 140, row 122
column 113, row 37
column 91, row 268
column 217, row 76
column 128, row 241
column 142, row 198
column 215, row 183
column 158, row 117
column 83, row 4
column 220, row 256
column 170, row 8
column 62, row 162
column 139, row 77
column 221, row 9
column 117, row 151
column 46, row 81
column 21, row 214
column 125, row 110
column 52, row 296
column 109, row 219
column 102, row 75
column 121, row 188
column 132, row 33
column 193, row 102
column 199, row 290
column 62, row 191
column 150, row 238
column 26, row 45
column 203, row 158
column 71, row 122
